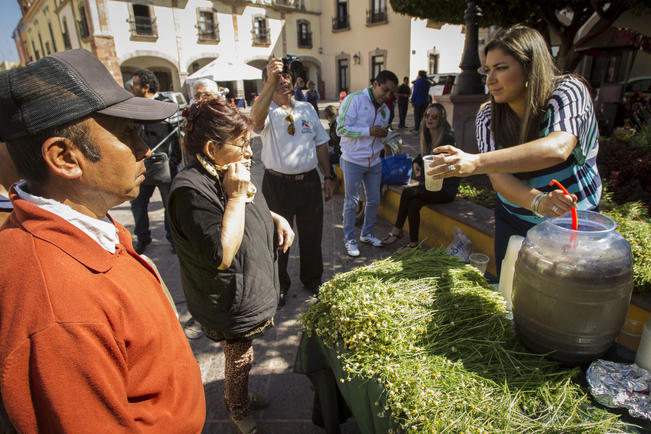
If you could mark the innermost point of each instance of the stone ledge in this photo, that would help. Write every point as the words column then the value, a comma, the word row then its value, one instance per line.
column 438, row 221
column 473, row 215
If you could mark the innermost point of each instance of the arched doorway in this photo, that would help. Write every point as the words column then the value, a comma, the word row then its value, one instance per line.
column 166, row 72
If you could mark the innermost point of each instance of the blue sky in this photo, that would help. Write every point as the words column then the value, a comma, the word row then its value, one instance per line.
column 9, row 16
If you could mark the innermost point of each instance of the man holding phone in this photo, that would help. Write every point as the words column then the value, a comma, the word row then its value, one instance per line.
column 362, row 123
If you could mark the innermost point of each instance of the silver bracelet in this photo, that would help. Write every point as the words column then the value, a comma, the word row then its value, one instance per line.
column 535, row 203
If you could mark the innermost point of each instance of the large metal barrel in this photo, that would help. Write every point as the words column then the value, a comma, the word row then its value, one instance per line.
column 572, row 289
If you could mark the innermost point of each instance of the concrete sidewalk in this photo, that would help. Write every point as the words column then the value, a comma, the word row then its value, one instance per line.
column 290, row 395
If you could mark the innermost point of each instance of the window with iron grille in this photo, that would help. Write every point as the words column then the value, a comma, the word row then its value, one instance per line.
column 260, row 32
column 304, row 34
column 207, row 25
column 83, row 23
column 34, row 50
column 433, row 64
column 377, row 65
column 342, row 74
column 377, row 14
column 66, row 35
column 341, row 21
column 143, row 21
column 54, row 44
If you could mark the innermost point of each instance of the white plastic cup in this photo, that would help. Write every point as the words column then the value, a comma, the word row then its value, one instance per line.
column 479, row 261
column 431, row 184
column 643, row 356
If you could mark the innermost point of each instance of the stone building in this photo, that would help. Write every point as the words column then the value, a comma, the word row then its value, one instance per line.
column 341, row 43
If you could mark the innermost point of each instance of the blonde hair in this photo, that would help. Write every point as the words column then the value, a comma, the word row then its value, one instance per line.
column 427, row 142
column 529, row 48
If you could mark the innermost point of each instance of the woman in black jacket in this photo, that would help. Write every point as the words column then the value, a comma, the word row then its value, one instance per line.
column 226, row 240
column 435, row 130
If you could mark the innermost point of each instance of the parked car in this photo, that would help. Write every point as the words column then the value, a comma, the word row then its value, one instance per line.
column 177, row 97
column 621, row 103
column 438, row 82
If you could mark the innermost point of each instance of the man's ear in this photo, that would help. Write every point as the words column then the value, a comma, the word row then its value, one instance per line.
column 62, row 157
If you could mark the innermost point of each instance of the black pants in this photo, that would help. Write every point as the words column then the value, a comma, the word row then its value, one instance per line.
column 402, row 111
column 419, row 111
column 301, row 200
column 139, row 208
column 412, row 200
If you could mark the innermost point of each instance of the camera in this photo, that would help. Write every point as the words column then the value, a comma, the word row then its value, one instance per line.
column 292, row 65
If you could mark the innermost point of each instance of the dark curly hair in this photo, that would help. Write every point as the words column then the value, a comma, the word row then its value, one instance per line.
column 148, row 77
column 212, row 118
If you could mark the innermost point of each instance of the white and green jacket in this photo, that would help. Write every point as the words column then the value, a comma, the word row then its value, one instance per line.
column 358, row 113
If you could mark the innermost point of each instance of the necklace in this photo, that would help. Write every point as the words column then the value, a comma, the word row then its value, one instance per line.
column 215, row 170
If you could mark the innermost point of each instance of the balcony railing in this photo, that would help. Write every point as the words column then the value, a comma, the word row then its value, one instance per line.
column 305, row 41
column 208, row 33
column 144, row 26
column 294, row 4
column 340, row 22
column 376, row 16
column 261, row 38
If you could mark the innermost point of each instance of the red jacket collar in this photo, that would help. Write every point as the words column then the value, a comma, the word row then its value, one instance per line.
column 53, row 229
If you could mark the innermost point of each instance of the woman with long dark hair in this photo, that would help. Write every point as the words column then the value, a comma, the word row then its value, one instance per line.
column 538, row 126
column 226, row 240
column 435, row 130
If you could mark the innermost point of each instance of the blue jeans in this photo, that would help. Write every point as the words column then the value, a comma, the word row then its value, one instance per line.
column 354, row 176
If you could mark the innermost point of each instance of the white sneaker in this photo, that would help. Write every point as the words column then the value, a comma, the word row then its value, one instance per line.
column 351, row 248
column 375, row 242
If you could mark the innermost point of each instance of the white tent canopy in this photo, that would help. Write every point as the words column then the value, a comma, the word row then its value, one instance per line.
column 222, row 69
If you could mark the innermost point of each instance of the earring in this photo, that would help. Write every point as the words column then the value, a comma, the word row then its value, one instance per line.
column 526, row 84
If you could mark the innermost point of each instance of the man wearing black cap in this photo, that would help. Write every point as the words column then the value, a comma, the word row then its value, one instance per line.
column 88, row 339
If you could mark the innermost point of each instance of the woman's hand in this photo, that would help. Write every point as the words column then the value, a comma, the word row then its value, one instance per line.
column 416, row 170
column 450, row 162
column 236, row 181
column 284, row 232
column 556, row 203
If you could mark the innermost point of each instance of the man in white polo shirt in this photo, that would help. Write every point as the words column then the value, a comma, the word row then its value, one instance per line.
column 293, row 143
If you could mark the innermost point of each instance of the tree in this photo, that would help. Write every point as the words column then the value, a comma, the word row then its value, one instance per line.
column 563, row 18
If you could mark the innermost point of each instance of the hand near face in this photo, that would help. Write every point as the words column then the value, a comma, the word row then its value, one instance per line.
column 236, row 181
column 274, row 68
column 376, row 131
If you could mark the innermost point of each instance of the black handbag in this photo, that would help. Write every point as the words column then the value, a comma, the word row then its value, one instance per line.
column 158, row 164
column 158, row 169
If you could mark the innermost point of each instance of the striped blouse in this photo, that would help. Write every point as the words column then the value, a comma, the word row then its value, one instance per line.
column 569, row 109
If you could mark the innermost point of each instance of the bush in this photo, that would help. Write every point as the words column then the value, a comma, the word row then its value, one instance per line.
column 635, row 226
column 484, row 196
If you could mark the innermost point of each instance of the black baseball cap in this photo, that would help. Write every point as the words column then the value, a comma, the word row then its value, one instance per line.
column 64, row 87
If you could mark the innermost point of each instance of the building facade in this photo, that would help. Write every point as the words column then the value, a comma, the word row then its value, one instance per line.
column 341, row 43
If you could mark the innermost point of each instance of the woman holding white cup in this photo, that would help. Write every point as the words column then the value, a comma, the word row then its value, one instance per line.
column 434, row 131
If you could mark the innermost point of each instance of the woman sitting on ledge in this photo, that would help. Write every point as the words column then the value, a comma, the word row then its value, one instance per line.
column 435, row 131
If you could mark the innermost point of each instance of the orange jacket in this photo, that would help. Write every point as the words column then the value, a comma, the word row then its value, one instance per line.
column 88, row 340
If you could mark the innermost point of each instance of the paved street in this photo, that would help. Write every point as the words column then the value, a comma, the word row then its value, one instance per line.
column 290, row 395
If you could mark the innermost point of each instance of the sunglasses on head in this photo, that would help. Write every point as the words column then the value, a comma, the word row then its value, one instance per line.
column 290, row 127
